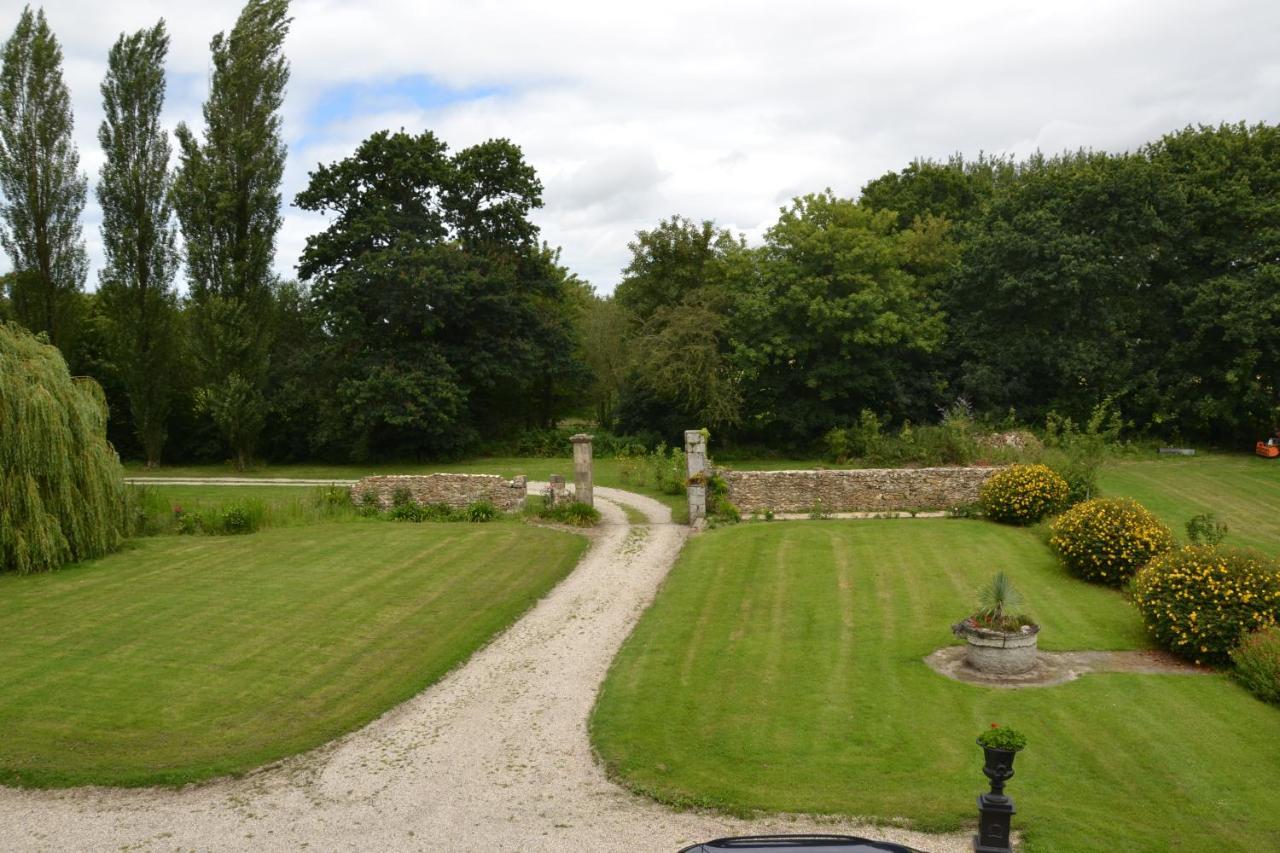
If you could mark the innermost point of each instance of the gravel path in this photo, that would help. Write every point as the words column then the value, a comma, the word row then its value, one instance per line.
column 493, row 757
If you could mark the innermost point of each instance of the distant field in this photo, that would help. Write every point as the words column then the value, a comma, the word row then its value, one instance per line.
column 607, row 473
column 182, row 658
column 780, row 668
column 1242, row 490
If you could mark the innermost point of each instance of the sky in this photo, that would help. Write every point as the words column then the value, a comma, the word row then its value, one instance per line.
column 633, row 112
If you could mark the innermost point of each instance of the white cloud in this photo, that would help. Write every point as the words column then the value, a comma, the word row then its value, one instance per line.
column 719, row 110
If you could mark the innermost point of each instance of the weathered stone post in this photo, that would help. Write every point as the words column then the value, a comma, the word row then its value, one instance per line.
column 695, row 455
column 582, row 468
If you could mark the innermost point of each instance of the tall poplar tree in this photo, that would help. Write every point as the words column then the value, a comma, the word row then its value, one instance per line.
column 138, row 234
column 44, row 191
column 227, row 197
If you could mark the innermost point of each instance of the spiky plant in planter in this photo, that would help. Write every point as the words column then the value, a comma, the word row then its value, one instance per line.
column 1001, row 638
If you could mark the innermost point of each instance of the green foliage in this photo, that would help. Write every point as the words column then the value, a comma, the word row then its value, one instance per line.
column 661, row 468
column 1257, row 664
column 835, row 287
column 1000, row 737
column 407, row 511
column 61, row 484
column 574, row 513
column 819, row 511
column 227, row 198
column 447, row 322
column 138, row 236
column 719, row 507
column 999, row 605
column 43, row 189
column 1106, row 540
column 1200, row 601
column 479, row 512
column 1205, row 529
column 1022, row 494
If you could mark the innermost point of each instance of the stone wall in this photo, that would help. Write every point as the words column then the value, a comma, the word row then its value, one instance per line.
column 860, row 490
column 456, row 490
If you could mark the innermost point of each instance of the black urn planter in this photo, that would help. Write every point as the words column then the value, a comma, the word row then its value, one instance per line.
column 994, row 808
column 998, row 766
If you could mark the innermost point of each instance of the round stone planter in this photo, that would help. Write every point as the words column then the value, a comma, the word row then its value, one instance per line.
column 999, row 652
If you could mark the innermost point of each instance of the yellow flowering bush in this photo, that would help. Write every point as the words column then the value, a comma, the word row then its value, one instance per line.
column 1200, row 601
column 1106, row 540
column 1022, row 494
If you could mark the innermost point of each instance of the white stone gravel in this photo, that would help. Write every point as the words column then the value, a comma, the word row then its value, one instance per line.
column 493, row 757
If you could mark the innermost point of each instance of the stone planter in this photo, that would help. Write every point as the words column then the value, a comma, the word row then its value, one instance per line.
column 999, row 652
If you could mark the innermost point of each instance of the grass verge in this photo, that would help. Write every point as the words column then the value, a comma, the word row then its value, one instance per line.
column 184, row 658
column 780, row 669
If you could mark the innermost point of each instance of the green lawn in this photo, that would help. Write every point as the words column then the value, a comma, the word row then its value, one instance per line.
column 182, row 658
column 780, row 669
column 1242, row 490
column 195, row 497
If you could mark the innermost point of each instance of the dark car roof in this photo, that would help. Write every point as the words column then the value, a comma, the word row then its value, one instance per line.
column 822, row 843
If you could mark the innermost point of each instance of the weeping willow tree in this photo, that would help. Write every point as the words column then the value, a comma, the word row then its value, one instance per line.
column 61, row 484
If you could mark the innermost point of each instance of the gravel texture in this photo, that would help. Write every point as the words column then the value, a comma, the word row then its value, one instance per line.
column 493, row 757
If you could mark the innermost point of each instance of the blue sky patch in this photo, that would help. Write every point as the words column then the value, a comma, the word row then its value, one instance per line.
column 415, row 91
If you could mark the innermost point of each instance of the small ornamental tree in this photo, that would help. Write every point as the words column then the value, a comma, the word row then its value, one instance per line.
column 61, row 484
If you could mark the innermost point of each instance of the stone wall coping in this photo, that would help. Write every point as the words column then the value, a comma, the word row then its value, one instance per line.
column 754, row 472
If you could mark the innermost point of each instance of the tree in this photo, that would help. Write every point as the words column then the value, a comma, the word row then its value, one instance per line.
column 61, row 484
column 445, row 315
column 137, row 231
column 603, row 335
column 1054, row 308
column 1219, row 317
column 677, row 292
column 675, row 260
column 824, row 329
column 227, row 198
column 44, row 192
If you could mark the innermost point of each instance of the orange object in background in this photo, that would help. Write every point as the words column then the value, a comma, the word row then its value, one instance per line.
column 1267, row 451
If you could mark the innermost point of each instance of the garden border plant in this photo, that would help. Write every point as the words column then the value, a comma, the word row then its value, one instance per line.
column 1200, row 601
column 1106, row 540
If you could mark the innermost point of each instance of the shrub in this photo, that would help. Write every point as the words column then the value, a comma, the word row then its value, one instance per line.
column 370, row 505
column 576, row 513
column 239, row 518
column 402, row 496
column 1204, row 529
column 439, row 512
column 188, row 523
column 1106, row 540
column 407, row 512
column 1200, row 601
column 862, row 440
column 1079, row 472
column 480, row 512
column 1022, row 494
column 1257, row 661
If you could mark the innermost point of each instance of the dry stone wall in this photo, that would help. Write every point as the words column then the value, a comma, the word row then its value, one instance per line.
column 860, row 490
column 456, row 490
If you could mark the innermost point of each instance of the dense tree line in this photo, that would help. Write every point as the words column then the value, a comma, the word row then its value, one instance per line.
column 1025, row 287
column 429, row 319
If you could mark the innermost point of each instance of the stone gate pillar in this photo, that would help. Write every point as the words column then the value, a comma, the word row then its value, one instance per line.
column 695, row 454
column 582, row 468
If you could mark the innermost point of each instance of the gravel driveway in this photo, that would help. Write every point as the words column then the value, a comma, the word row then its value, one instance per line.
column 493, row 757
